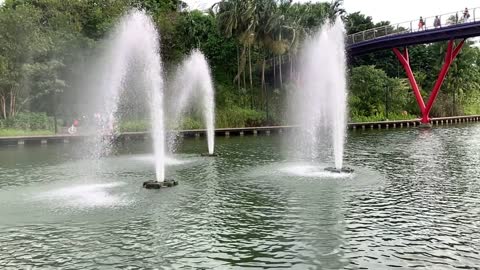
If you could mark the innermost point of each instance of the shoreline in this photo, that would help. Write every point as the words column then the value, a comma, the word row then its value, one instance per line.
column 226, row 132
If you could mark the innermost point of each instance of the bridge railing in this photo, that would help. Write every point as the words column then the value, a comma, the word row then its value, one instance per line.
column 444, row 20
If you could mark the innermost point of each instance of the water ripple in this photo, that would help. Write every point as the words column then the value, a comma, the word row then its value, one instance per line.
column 413, row 202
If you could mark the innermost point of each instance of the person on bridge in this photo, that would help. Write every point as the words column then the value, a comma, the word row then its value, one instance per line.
column 421, row 24
column 466, row 15
column 437, row 22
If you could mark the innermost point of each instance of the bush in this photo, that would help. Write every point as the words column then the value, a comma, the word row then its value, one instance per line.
column 231, row 117
column 28, row 121
column 16, row 132
column 239, row 117
column 191, row 123
column 381, row 117
column 134, row 126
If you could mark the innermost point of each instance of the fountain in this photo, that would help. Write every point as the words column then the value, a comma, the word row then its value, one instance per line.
column 318, row 105
column 193, row 82
column 123, row 50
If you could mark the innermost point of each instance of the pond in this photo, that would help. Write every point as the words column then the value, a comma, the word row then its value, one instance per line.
column 412, row 202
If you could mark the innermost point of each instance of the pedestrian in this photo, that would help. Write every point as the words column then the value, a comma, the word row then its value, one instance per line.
column 437, row 22
column 421, row 24
column 466, row 15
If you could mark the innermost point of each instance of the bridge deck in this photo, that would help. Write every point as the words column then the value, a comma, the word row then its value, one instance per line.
column 459, row 31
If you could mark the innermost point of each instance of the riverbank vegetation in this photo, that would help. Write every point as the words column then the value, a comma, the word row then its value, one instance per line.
column 252, row 48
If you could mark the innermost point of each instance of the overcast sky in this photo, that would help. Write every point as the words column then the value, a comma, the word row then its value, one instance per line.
column 388, row 10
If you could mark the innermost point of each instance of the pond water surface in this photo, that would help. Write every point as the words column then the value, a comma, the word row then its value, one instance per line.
column 413, row 202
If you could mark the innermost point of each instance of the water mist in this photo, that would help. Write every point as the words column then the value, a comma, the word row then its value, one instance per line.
column 135, row 41
column 193, row 82
column 318, row 104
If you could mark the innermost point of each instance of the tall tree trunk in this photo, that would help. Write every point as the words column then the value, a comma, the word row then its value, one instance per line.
column 280, row 63
column 274, row 72
column 290, row 58
column 14, row 109
column 263, row 82
column 243, row 62
column 454, row 107
column 267, row 103
column 245, row 83
column 3, row 102
column 12, row 106
column 55, row 123
column 238, row 66
column 250, row 75
column 54, row 101
column 280, row 71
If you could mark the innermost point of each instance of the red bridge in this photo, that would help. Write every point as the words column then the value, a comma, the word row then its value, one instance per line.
column 453, row 27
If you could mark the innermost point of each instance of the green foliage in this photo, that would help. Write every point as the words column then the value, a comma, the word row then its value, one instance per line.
column 372, row 92
column 472, row 108
column 28, row 121
column 231, row 117
column 199, row 30
column 357, row 22
column 381, row 117
column 42, row 43
column 239, row 117
column 156, row 6
column 22, row 132
column 134, row 126
column 191, row 123
column 18, row 41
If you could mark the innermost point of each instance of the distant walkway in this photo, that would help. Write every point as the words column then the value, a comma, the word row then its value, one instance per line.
column 434, row 22
column 226, row 132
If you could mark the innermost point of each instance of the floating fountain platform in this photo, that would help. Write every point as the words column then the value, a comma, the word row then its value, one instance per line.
column 158, row 185
column 342, row 170
column 209, row 155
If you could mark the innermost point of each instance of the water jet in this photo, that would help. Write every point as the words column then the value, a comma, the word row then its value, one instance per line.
column 123, row 52
column 193, row 86
column 318, row 104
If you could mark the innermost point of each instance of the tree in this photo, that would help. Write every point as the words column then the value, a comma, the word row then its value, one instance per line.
column 19, row 40
column 463, row 78
column 357, row 22
column 368, row 87
column 237, row 18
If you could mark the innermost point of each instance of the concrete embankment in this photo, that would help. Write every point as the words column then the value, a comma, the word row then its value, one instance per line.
column 67, row 138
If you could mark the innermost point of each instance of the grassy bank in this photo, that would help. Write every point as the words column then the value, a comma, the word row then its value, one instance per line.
column 381, row 117
column 190, row 123
column 21, row 132
column 233, row 117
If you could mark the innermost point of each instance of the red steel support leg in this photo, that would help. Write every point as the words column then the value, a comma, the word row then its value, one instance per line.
column 449, row 57
column 405, row 61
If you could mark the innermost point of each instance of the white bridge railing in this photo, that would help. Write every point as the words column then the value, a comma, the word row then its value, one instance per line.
column 444, row 20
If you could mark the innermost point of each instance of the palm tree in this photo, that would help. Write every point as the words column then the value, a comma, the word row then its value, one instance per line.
column 237, row 18
column 336, row 9
column 266, row 17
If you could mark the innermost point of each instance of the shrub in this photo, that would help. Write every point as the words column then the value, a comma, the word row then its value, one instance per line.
column 28, row 121
column 381, row 117
column 191, row 123
column 239, row 117
column 134, row 126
